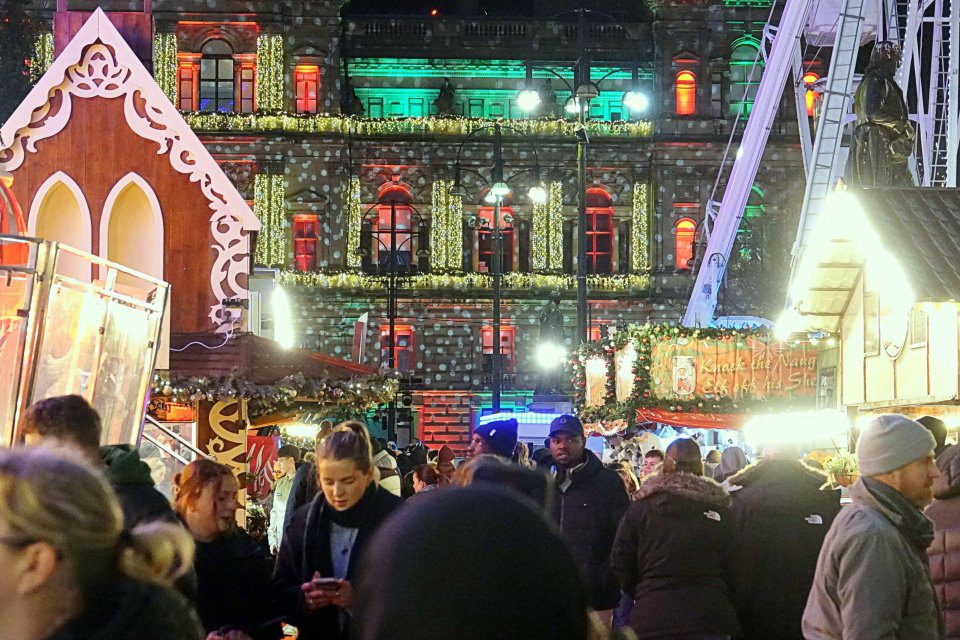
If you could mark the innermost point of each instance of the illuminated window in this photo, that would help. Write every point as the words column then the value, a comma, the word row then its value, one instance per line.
column 393, row 228
column 306, row 82
column 305, row 242
column 685, row 231
column 745, row 75
column 485, row 239
column 248, row 78
column 811, row 95
column 599, row 231
column 507, row 342
column 186, row 84
column 216, row 77
column 402, row 347
column 686, row 93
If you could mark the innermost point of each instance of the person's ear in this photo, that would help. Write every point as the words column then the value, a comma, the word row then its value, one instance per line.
column 35, row 566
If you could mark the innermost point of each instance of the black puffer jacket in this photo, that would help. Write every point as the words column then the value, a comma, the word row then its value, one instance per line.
column 588, row 514
column 131, row 609
column 671, row 553
column 779, row 518
column 234, row 589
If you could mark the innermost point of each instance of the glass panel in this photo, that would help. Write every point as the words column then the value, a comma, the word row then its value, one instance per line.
column 208, row 90
column 66, row 356
column 14, row 295
column 122, row 365
column 208, row 68
column 225, row 106
column 217, row 47
column 225, row 69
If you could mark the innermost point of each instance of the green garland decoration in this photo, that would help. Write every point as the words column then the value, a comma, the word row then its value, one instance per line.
column 640, row 229
column 42, row 56
column 333, row 397
column 270, row 72
column 354, row 211
column 632, row 284
column 269, row 207
column 165, row 63
column 456, row 126
column 644, row 337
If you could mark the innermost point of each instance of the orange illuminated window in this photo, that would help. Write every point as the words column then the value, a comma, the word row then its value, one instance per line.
column 507, row 341
column 248, row 78
column 186, row 83
column 305, row 242
column 599, row 231
column 811, row 96
column 485, row 238
column 386, row 237
column 686, row 93
column 306, row 79
column 685, row 232
column 402, row 346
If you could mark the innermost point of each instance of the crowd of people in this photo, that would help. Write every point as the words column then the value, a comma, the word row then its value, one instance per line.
column 556, row 544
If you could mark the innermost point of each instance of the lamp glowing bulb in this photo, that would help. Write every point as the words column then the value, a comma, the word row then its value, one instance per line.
column 537, row 194
column 572, row 107
column 282, row 319
column 550, row 355
column 528, row 100
column 636, row 101
column 500, row 189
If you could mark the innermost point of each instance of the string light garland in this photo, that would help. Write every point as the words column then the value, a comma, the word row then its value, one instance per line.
column 539, row 235
column 644, row 338
column 269, row 207
column 165, row 63
column 270, row 74
column 632, row 284
column 42, row 56
column 431, row 125
column 555, row 227
column 354, row 220
column 446, row 228
column 640, row 229
column 334, row 397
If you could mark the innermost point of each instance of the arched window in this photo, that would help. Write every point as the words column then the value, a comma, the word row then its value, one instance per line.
column 59, row 211
column 216, row 77
column 686, row 90
column 599, row 231
column 485, row 237
column 394, row 223
column 811, row 96
column 685, row 233
column 746, row 69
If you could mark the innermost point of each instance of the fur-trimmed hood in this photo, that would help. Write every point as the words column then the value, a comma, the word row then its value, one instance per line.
column 685, row 485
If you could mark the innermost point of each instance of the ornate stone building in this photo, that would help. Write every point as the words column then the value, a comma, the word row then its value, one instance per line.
column 347, row 131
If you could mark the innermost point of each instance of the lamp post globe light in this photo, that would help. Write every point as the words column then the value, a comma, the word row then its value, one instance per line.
column 582, row 91
column 498, row 191
column 393, row 266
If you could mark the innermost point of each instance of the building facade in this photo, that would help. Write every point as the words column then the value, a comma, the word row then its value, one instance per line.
column 365, row 140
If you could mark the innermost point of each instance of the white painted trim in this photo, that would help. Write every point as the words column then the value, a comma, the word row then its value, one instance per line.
column 98, row 63
column 157, row 233
column 48, row 185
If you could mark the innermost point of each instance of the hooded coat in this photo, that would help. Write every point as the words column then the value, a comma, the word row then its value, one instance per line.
column 945, row 550
column 671, row 553
column 779, row 518
column 389, row 472
column 587, row 513
column 130, row 478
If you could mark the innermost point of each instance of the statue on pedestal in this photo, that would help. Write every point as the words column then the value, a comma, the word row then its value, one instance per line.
column 444, row 101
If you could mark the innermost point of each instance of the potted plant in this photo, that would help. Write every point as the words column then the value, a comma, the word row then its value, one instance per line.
column 842, row 468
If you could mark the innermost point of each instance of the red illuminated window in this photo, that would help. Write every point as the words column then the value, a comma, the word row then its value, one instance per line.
column 402, row 346
column 248, row 77
column 485, row 239
column 386, row 234
column 811, row 95
column 595, row 334
column 306, row 80
column 186, row 85
column 507, row 342
column 686, row 89
column 599, row 231
column 305, row 242
column 685, row 232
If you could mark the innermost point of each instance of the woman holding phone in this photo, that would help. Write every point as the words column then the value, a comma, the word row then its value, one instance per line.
column 321, row 548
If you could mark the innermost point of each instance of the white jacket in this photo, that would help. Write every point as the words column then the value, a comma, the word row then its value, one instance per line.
column 389, row 472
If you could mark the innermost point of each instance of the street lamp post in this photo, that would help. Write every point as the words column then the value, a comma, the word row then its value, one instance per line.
column 498, row 190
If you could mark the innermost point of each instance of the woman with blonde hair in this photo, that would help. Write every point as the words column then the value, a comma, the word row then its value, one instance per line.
column 70, row 570
column 321, row 549
column 234, row 593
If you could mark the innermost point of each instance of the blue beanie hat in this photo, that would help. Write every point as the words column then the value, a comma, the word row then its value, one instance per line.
column 501, row 434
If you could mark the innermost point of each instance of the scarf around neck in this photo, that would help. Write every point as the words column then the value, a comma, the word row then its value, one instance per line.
column 357, row 515
column 915, row 527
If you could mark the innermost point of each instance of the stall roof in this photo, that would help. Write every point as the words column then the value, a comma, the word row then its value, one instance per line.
column 918, row 228
column 257, row 359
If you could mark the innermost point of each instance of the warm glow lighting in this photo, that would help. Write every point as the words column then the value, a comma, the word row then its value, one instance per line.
column 282, row 319
column 551, row 355
column 811, row 95
column 686, row 93
column 301, row 430
column 528, row 100
column 636, row 101
column 595, row 367
column 538, row 195
column 802, row 427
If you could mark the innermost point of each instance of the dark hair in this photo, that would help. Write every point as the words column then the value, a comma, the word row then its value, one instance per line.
column 349, row 440
column 654, row 453
column 426, row 474
column 67, row 418
column 937, row 427
column 289, row 451
column 432, row 455
column 685, row 454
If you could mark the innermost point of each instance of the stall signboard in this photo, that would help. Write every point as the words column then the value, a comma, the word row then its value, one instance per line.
column 747, row 368
column 261, row 455
column 166, row 409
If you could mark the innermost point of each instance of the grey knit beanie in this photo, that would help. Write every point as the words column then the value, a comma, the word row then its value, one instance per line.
column 891, row 441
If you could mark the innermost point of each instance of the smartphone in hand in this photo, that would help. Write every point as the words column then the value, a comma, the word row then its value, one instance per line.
column 326, row 584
